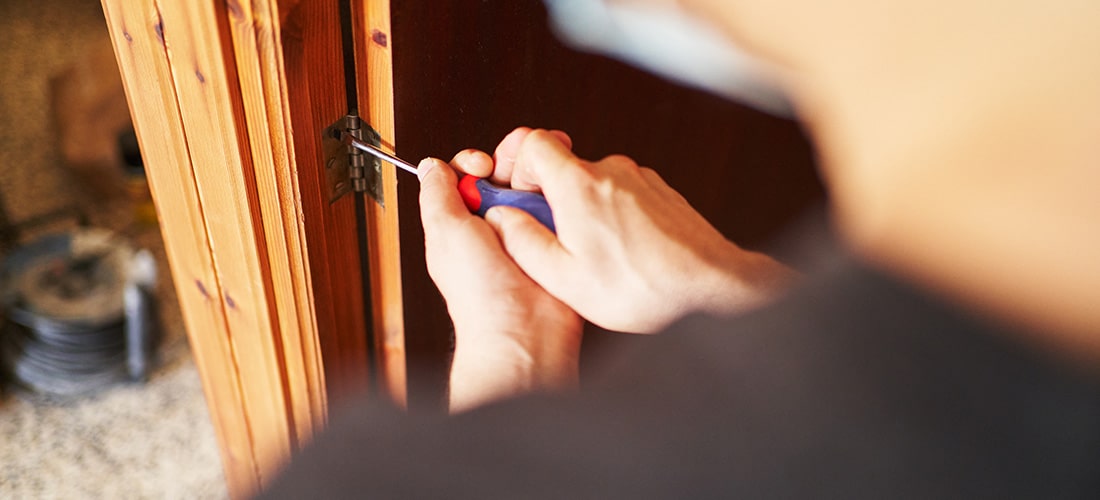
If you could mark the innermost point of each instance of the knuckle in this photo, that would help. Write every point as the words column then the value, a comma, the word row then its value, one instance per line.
column 472, row 161
column 651, row 176
column 572, row 172
column 433, row 216
column 619, row 161
column 540, row 134
column 593, row 186
column 465, row 225
column 425, row 204
column 428, row 203
column 432, row 221
column 513, row 224
column 463, row 154
column 577, row 170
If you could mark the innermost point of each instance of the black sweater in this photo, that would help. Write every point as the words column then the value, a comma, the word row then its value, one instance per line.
column 856, row 385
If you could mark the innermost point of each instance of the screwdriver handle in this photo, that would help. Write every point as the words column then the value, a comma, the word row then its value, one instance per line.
column 480, row 195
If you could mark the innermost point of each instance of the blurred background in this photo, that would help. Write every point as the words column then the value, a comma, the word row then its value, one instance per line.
column 66, row 165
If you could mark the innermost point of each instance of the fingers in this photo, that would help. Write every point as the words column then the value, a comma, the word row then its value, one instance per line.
column 473, row 162
column 564, row 138
column 508, row 149
column 505, row 155
column 533, row 247
column 440, row 202
column 544, row 162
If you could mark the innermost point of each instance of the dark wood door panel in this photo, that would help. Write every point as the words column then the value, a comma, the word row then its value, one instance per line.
column 466, row 72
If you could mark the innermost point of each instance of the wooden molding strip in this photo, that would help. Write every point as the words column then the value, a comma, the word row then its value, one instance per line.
column 137, row 32
column 258, row 54
column 211, row 106
column 313, row 74
column 374, row 79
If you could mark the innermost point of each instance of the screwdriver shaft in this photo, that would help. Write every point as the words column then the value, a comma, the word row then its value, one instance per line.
column 478, row 194
column 378, row 153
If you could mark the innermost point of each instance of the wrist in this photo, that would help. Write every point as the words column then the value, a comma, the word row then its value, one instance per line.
column 745, row 279
column 500, row 358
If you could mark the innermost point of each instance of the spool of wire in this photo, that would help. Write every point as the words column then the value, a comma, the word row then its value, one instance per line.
column 65, row 301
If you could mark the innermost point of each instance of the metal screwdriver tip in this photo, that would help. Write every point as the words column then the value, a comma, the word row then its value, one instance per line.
column 378, row 153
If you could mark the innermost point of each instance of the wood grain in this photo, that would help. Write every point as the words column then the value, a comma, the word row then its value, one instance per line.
column 136, row 32
column 374, row 78
column 211, row 107
column 258, row 54
column 313, row 71
column 267, row 268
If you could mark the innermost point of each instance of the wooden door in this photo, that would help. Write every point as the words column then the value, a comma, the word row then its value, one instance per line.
column 294, row 302
column 466, row 72
column 229, row 100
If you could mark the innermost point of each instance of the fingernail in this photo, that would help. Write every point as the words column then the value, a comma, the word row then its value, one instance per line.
column 424, row 167
column 493, row 217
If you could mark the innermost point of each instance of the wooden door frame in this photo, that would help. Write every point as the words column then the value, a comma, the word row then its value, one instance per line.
column 228, row 100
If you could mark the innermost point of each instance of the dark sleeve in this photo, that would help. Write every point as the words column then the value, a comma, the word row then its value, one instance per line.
column 611, row 442
column 854, row 387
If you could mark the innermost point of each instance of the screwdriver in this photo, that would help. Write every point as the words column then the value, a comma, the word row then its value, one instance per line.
column 477, row 193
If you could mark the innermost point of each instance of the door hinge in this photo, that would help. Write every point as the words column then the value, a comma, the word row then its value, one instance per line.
column 347, row 169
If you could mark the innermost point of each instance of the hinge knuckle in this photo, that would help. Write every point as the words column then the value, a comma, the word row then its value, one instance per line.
column 347, row 169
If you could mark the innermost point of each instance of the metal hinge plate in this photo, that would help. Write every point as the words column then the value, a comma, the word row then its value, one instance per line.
column 347, row 169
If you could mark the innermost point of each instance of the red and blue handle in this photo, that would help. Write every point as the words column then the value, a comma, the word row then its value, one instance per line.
column 480, row 195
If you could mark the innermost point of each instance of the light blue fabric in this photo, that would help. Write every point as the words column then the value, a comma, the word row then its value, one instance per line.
column 668, row 42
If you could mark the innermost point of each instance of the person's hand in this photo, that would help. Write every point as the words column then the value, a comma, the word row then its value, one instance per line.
column 630, row 253
column 511, row 336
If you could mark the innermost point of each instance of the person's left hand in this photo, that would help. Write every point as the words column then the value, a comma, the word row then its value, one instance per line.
column 510, row 335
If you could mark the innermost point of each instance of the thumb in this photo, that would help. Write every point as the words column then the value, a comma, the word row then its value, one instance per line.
column 533, row 247
column 440, row 203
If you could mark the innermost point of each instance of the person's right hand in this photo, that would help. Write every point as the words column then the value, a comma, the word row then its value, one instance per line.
column 630, row 253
